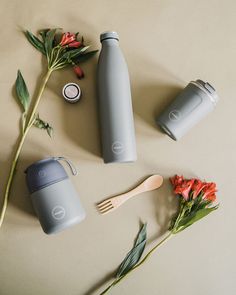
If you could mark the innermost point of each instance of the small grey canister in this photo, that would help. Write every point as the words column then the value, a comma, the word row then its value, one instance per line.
column 53, row 195
column 196, row 100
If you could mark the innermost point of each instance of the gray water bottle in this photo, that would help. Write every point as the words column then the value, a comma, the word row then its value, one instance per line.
column 54, row 197
column 115, row 104
column 196, row 100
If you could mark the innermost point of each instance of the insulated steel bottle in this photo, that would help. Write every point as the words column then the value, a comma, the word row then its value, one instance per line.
column 53, row 195
column 196, row 100
column 115, row 105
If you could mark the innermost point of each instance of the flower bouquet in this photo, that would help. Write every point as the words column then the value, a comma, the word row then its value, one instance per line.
column 196, row 200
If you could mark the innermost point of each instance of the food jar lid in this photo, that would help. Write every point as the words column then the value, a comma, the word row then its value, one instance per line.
column 44, row 173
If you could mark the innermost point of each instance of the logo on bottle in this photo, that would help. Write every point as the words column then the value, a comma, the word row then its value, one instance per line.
column 117, row 147
column 58, row 212
column 175, row 115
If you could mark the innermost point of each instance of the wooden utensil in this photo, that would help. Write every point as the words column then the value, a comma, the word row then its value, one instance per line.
column 111, row 204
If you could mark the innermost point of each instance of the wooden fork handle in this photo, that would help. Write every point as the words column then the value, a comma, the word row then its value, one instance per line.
column 134, row 192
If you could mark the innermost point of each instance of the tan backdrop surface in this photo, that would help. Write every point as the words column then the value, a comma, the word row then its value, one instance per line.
column 167, row 44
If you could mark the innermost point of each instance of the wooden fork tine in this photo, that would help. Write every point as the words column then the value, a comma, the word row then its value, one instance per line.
column 103, row 203
column 107, row 210
column 105, row 207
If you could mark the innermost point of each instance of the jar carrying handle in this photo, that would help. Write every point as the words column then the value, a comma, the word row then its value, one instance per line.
column 70, row 164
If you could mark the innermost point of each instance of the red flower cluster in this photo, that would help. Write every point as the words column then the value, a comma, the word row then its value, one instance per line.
column 191, row 188
column 70, row 40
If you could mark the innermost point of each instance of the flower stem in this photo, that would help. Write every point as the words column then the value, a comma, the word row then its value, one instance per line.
column 28, row 125
column 116, row 281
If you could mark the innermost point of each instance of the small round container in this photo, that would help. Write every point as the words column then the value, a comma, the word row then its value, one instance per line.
column 194, row 102
column 71, row 92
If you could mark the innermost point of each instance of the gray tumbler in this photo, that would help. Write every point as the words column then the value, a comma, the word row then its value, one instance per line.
column 54, row 197
column 196, row 100
column 115, row 105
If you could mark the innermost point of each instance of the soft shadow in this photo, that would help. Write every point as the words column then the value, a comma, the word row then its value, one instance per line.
column 80, row 120
column 166, row 205
column 150, row 100
column 100, row 283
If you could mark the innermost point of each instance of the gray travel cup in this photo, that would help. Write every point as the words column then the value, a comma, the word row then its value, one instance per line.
column 196, row 100
column 115, row 104
column 54, row 197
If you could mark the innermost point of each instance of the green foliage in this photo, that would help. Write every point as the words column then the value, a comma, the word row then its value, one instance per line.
column 134, row 254
column 193, row 217
column 39, row 45
column 22, row 91
column 58, row 56
column 84, row 57
column 39, row 123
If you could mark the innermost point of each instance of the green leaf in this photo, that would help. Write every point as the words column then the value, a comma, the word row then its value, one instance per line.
column 35, row 42
column 39, row 123
column 22, row 91
column 194, row 217
column 134, row 254
column 43, row 34
column 84, row 57
column 71, row 54
column 48, row 43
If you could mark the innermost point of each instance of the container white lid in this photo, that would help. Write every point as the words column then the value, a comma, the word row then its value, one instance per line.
column 71, row 92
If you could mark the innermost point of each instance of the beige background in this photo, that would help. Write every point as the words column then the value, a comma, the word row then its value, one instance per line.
column 167, row 44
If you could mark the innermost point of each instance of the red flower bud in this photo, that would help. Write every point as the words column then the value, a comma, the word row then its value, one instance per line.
column 79, row 72
column 74, row 44
column 67, row 38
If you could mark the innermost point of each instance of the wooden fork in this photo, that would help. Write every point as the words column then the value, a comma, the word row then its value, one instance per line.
column 111, row 204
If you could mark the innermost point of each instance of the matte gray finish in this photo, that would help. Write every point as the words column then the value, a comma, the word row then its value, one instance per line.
column 43, row 173
column 115, row 105
column 58, row 206
column 196, row 100
column 54, row 197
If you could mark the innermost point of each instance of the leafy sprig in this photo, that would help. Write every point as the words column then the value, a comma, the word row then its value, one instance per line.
column 195, row 202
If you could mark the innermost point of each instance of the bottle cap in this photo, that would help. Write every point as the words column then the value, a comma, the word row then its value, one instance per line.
column 109, row 35
column 71, row 92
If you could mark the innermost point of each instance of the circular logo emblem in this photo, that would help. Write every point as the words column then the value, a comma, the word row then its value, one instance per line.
column 117, row 147
column 58, row 212
column 175, row 115
column 42, row 173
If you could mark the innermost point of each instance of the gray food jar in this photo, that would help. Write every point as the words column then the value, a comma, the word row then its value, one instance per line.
column 196, row 100
column 53, row 195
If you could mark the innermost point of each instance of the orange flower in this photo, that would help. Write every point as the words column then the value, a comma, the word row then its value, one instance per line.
column 182, row 186
column 198, row 186
column 67, row 38
column 209, row 191
column 176, row 180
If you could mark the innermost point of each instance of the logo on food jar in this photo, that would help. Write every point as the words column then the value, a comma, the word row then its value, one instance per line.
column 58, row 212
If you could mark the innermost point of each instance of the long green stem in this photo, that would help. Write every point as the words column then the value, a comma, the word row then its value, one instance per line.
column 28, row 125
column 116, row 281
